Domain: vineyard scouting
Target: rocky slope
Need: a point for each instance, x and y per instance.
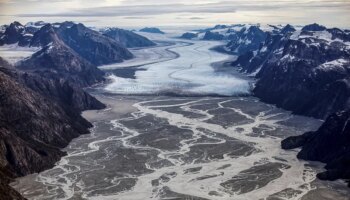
(127, 38)
(42, 98)
(306, 71)
(92, 45)
(329, 144)
(58, 60)
(38, 116)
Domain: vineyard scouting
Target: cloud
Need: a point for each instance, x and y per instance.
(135, 17)
(211, 7)
(196, 18)
(191, 18)
(140, 10)
(332, 13)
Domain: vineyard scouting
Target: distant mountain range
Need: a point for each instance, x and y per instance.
(127, 38)
(302, 69)
(152, 30)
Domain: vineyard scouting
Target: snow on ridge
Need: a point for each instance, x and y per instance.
(288, 57)
(317, 35)
(37, 24)
(334, 64)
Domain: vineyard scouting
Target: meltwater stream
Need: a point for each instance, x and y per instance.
(166, 147)
(180, 148)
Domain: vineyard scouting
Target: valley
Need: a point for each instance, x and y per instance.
(177, 127)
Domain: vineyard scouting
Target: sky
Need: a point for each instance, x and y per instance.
(140, 13)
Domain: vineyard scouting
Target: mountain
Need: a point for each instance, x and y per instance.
(252, 61)
(44, 93)
(247, 39)
(127, 38)
(38, 116)
(329, 144)
(58, 60)
(305, 71)
(72, 52)
(242, 38)
(213, 36)
(16, 33)
(89, 44)
(92, 45)
(152, 30)
(189, 36)
(36, 25)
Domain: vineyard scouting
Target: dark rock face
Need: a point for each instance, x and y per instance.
(246, 40)
(306, 72)
(63, 91)
(297, 141)
(152, 30)
(188, 36)
(127, 38)
(213, 36)
(329, 144)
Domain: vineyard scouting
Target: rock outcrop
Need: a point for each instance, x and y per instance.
(329, 144)
(151, 30)
(189, 36)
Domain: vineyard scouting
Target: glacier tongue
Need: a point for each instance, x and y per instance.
(190, 73)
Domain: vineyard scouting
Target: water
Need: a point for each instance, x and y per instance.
(199, 148)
